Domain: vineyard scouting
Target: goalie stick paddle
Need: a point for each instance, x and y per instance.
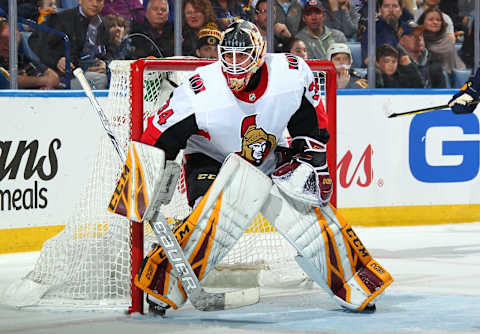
(200, 299)
(424, 110)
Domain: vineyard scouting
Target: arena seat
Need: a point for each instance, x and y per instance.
(460, 77)
(448, 80)
(356, 50)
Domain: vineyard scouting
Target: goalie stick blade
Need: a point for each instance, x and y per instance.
(205, 301)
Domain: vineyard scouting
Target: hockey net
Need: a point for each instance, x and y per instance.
(92, 262)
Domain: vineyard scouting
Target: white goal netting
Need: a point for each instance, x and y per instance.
(89, 263)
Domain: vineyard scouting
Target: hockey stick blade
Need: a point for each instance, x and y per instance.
(425, 110)
(200, 299)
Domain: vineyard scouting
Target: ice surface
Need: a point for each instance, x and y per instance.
(436, 290)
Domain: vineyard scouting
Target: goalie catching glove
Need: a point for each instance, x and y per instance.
(306, 175)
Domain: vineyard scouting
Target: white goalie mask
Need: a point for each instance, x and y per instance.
(241, 53)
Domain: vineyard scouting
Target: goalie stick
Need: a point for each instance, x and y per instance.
(424, 110)
(200, 299)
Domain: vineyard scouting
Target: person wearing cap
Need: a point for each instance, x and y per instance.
(412, 45)
(341, 57)
(391, 15)
(208, 39)
(316, 36)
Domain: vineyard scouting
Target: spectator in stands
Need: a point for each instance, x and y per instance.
(452, 9)
(25, 8)
(117, 26)
(4, 78)
(196, 14)
(465, 13)
(341, 16)
(341, 57)
(45, 8)
(467, 52)
(429, 64)
(297, 47)
(248, 7)
(68, 4)
(391, 15)
(395, 72)
(89, 42)
(281, 33)
(227, 11)
(438, 41)
(153, 37)
(410, 5)
(289, 12)
(316, 36)
(430, 4)
(31, 74)
(132, 10)
(208, 39)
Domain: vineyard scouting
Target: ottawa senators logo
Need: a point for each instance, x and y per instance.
(256, 143)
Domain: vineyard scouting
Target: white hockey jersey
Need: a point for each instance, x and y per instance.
(250, 124)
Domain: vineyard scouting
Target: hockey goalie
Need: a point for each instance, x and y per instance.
(229, 118)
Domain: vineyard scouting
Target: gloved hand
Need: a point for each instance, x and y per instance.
(461, 101)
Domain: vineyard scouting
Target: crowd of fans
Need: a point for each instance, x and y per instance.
(419, 43)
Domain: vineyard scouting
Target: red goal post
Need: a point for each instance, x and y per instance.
(327, 76)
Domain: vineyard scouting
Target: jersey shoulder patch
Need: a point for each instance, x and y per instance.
(292, 61)
(197, 84)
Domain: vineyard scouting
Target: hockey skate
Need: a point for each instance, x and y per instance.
(370, 308)
(156, 308)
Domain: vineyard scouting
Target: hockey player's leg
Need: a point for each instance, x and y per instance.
(211, 230)
(363, 279)
(328, 249)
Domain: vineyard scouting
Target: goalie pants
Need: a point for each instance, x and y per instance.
(200, 172)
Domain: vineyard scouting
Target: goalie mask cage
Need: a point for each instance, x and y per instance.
(92, 262)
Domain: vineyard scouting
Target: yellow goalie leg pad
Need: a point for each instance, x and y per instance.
(328, 249)
(357, 279)
(155, 277)
(210, 231)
